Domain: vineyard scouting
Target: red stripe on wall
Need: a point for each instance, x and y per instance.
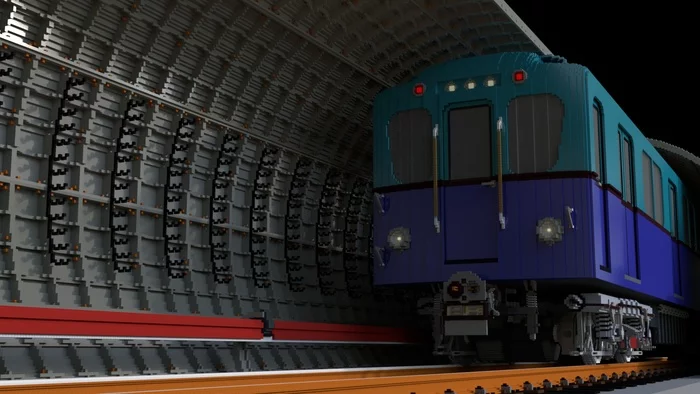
(54, 321)
(302, 331)
(21, 320)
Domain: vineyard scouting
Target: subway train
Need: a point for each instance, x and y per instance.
(538, 220)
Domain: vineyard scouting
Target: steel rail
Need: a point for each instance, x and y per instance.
(383, 380)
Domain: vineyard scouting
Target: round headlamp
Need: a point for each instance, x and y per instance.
(549, 231)
(399, 238)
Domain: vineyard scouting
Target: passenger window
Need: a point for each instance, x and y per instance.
(648, 190)
(535, 124)
(686, 221)
(410, 143)
(658, 196)
(674, 212)
(693, 228)
(690, 226)
(599, 141)
(627, 167)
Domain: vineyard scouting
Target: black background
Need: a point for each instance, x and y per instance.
(642, 52)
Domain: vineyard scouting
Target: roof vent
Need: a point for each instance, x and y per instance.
(552, 59)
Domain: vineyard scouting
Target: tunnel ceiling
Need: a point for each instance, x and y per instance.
(300, 75)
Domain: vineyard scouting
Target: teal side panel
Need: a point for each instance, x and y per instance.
(386, 105)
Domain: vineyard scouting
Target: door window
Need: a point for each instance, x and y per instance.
(470, 142)
(410, 144)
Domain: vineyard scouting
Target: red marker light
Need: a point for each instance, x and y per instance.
(455, 290)
(519, 76)
(419, 89)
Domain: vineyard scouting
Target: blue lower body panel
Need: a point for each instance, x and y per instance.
(610, 242)
(471, 238)
(413, 210)
(621, 234)
(471, 224)
(642, 256)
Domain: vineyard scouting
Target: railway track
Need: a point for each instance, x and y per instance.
(415, 380)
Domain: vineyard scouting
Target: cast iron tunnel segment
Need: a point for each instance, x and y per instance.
(218, 208)
(58, 171)
(327, 206)
(5, 71)
(365, 220)
(172, 195)
(293, 224)
(123, 155)
(352, 236)
(262, 187)
(370, 246)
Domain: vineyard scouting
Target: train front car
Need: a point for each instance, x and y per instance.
(486, 183)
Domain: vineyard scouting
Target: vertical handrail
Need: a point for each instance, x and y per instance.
(499, 137)
(436, 210)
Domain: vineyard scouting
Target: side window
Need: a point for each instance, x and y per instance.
(672, 207)
(535, 124)
(691, 230)
(599, 141)
(627, 167)
(686, 221)
(648, 189)
(410, 143)
(658, 196)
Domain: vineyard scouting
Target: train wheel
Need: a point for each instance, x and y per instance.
(587, 355)
(589, 359)
(623, 357)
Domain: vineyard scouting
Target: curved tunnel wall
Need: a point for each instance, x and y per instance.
(203, 158)
(164, 196)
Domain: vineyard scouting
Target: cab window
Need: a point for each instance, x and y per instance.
(410, 144)
(535, 124)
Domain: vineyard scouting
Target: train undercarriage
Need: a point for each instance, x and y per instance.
(477, 322)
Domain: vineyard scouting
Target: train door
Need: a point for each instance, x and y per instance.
(471, 201)
(600, 169)
(628, 197)
(675, 247)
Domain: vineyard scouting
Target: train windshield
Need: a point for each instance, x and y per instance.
(410, 143)
(531, 144)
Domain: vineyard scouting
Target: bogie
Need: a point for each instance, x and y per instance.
(478, 322)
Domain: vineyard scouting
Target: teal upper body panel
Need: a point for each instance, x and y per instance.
(566, 81)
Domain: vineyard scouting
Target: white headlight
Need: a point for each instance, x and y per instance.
(490, 82)
(470, 85)
(399, 238)
(549, 231)
(451, 87)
